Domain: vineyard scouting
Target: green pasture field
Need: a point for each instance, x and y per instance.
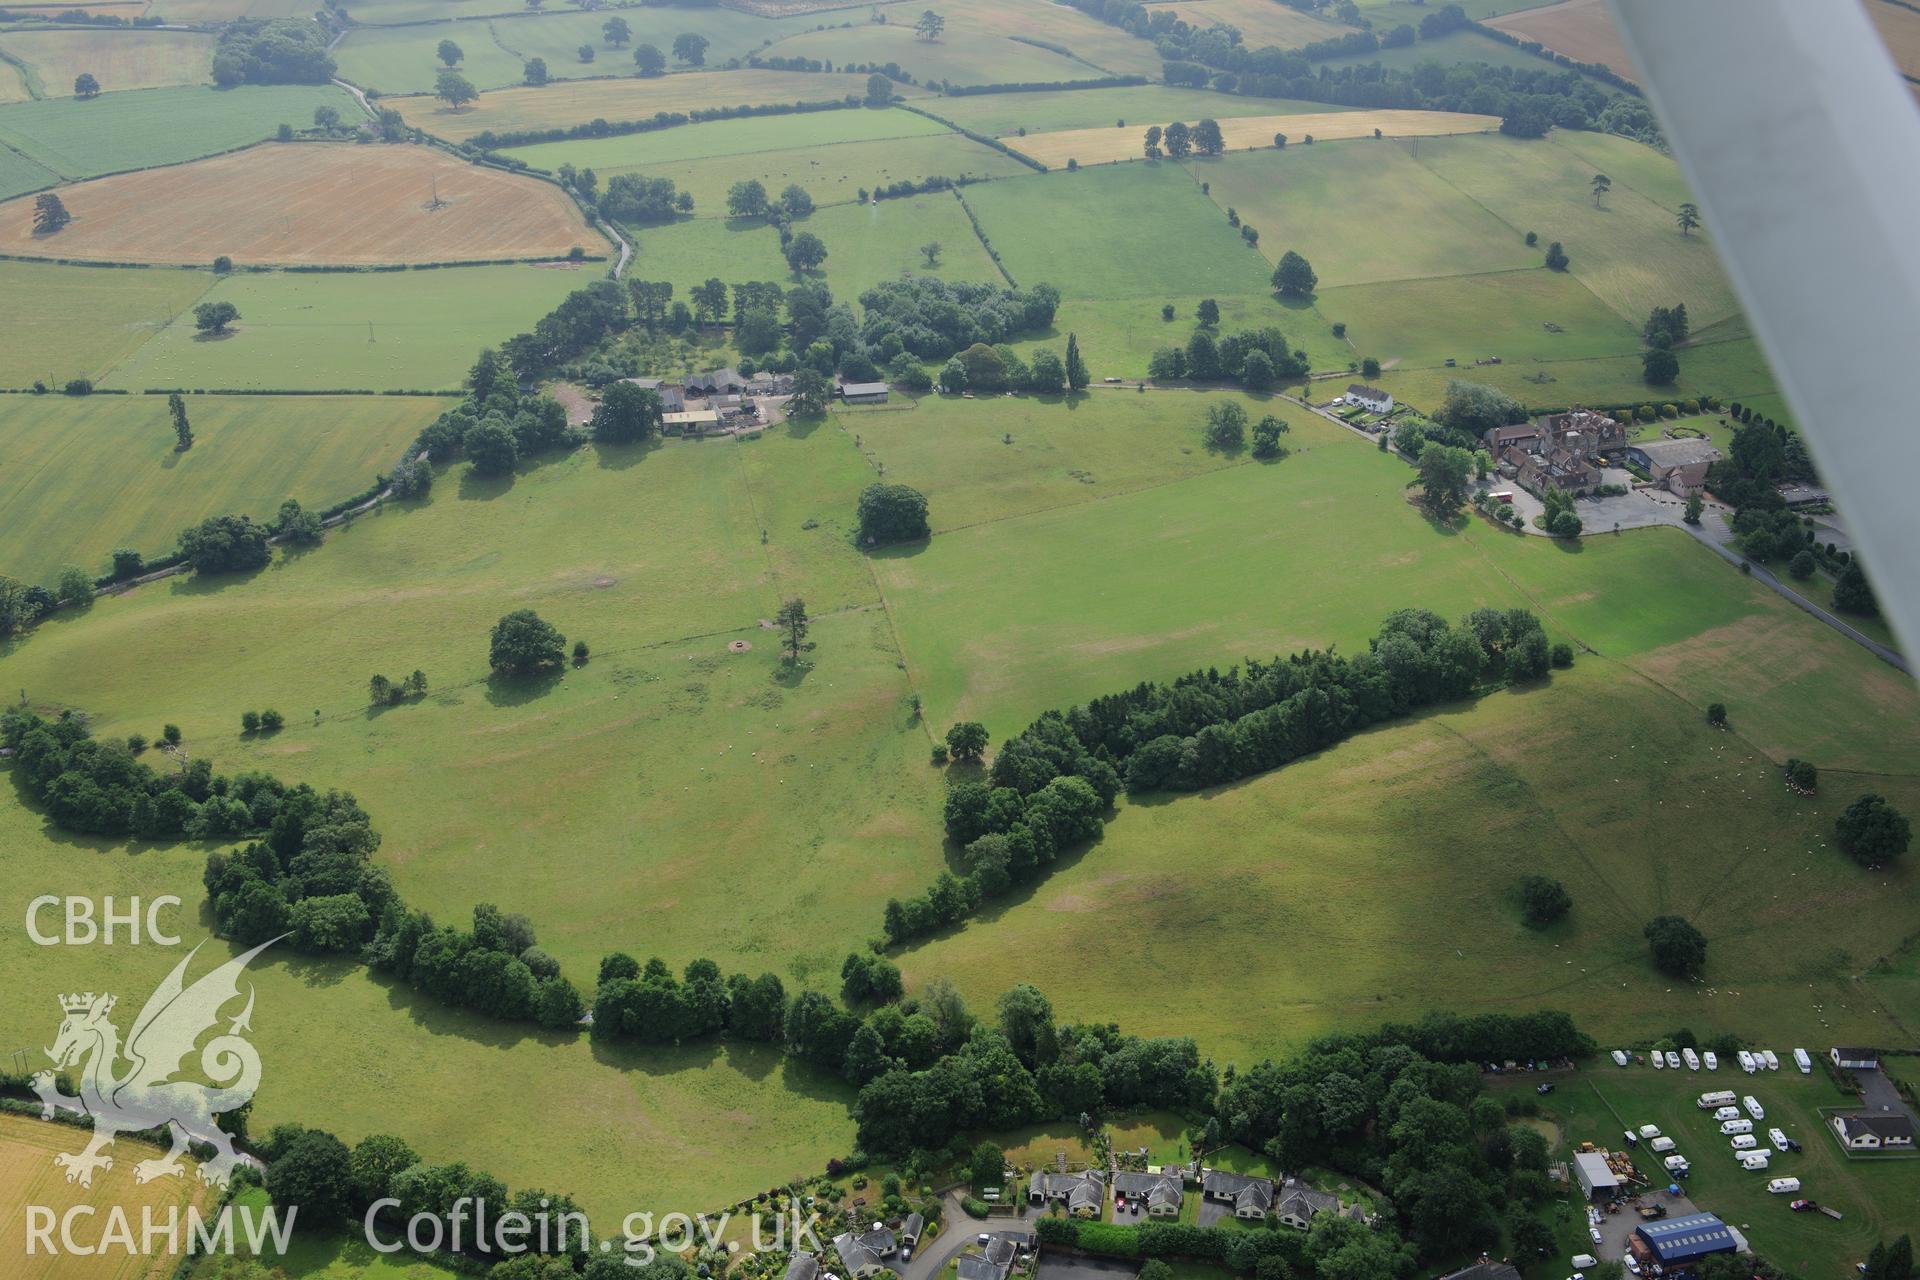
(118, 59)
(139, 129)
(1118, 338)
(1000, 114)
(1101, 46)
(84, 320)
(695, 249)
(1259, 23)
(408, 330)
(1627, 250)
(1120, 231)
(1630, 164)
(19, 175)
(621, 1128)
(725, 139)
(213, 11)
(566, 103)
(1734, 370)
(1598, 1104)
(1424, 323)
(404, 59)
(713, 768)
(963, 55)
(1363, 211)
(874, 242)
(85, 476)
(837, 174)
(1451, 49)
(319, 1254)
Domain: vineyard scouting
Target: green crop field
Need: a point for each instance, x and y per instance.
(405, 330)
(1453, 48)
(999, 114)
(964, 55)
(404, 59)
(19, 175)
(652, 152)
(695, 249)
(136, 130)
(873, 242)
(84, 320)
(1097, 45)
(85, 476)
(1119, 337)
(118, 59)
(1364, 211)
(1123, 231)
(572, 102)
(1598, 1104)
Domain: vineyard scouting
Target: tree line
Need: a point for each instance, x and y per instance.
(1051, 786)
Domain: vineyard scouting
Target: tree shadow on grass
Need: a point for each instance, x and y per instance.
(790, 675)
(515, 691)
(899, 550)
(1570, 546)
(194, 583)
(437, 1018)
(481, 488)
(618, 457)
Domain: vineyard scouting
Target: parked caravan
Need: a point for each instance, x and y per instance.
(1659, 1063)
(1754, 1109)
(1660, 1146)
(1692, 1059)
(1753, 1161)
(1727, 1113)
(1778, 1138)
(1773, 1063)
(1717, 1098)
(1619, 1057)
(1712, 1061)
(1802, 1061)
(1649, 1130)
(1745, 1142)
(1673, 1060)
(1737, 1126)
(1746, 1062)
(1783, 1186)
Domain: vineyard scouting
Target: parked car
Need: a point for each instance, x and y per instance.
(1633, 1264)
(1546, 1086)
(1801, 1206)
(1593, 1234)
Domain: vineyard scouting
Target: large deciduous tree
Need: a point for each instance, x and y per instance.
(626, 414)
(892, 513)
(1445, 473)
(1873, 832)
(1679, 950)
(523, 642)
(1294, 277)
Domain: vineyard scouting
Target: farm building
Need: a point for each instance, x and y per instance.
(1851, 1059)
(1300, 1204)
(1680, 1242)
(1596, 1177)
(864, 392)
(691, 422)
(862, 1253)
(768, 383)
(1804, 495)
(910, 1230)
(673, 398)
(720, 381)
(1250, 1197)
(1520, 435)
(1161, 1191)
(1660, 459)
(1874, 1131)
(1371, 398)
(1081, 1193)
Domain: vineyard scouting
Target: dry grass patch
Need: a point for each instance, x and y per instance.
(310, 204)
(1106, 145)
(1581, 29)
(567, 103)
(1261, 22)
(118, 59)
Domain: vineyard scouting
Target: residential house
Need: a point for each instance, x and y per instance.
(1585, 431)
(673, 397)
(862, 1253)
(1521, 435)
(864, 392)
(1553, 468)
(1874, 1131)
(720, 381)
(1680, 465)
(1250, 1197)
(1299, 1204)
(1848, 1059)
(910, 1230)
(1084, 1194)
(1000, 1255)
(973, 1267)
(1485, 1271)
(803, 1267)
(1160, 1191)
(1370, 398)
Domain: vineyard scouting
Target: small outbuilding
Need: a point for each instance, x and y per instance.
(1596, 1177)
(1848, 1058)
(864, 392)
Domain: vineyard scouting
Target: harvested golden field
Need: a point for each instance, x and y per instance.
(570, 102)
(1107, 145)
(1261, 22)
(1581, 29)
(28, 1176)
(1900, 30)
(118, 59)
(309, 203)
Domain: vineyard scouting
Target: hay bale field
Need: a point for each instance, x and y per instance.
(310, 203)
(562, 105)
(28, 1176)
(1581, 29)
(117, 58)
(1106, 145)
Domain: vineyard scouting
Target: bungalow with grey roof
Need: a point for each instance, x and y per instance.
(1871, 1131)
(1160, 1191)
(1299, 1204)
(1082, 1193)
(1250, 1197)
(861, 1253)
(803, 1267)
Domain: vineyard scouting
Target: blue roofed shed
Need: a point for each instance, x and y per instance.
(1679, 1241)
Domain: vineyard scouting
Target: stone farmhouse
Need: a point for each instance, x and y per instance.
(1562, 451)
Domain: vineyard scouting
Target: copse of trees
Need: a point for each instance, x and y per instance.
(1872, 832)
(1050, 786)
(1679, 950)
(1544, 901)
(272, 51)
(891, 513)
(934, 318)
(1257, 359)
(523, 643)
(225, 544)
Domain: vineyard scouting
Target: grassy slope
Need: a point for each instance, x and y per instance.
(312, 331)
(85, 320)
(964, 55)
(874, 242)
(1124, 232)
(694, 249)
(157, 126)
(1118, 338)
(1415, 323)
(86, 476)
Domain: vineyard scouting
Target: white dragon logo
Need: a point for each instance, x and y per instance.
(146, 1095)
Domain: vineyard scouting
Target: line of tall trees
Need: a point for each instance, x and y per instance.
(1051, 786)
